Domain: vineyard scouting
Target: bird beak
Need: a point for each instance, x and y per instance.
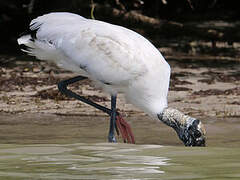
(193, 135)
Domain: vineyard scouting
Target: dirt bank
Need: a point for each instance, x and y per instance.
(199, 88)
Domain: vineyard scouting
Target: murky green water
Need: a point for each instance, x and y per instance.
(117, 161)
(72, 147)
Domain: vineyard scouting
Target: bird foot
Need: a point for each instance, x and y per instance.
(125, 130)
(112, 139)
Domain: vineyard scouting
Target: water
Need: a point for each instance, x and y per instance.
(38, 146)
(117, 161)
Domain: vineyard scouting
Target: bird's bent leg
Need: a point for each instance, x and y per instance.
(62, 86)
(125, 129)
(111, 136)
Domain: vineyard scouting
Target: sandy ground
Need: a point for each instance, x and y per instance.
(198, 88)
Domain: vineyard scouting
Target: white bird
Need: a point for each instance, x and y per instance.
(116, 59)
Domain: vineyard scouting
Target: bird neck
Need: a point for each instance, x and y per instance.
(174, 118)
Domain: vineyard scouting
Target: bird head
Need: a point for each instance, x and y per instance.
(190, 130)
(193, 134)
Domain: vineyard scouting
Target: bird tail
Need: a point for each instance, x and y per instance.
(44, 34)
(30, 44)
(25, 41)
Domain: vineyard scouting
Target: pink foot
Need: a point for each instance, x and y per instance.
(125, 130)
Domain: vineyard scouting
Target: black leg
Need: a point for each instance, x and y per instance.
(111, 136)
(62, 86)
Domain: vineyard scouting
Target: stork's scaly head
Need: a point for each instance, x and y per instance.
(193, 134)
(190, 130)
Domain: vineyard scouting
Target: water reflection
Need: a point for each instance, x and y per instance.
(117, 161)
(80, 161)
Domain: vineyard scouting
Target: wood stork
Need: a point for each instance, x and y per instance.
(117, 60)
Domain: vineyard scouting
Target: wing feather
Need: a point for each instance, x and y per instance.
(105, 52)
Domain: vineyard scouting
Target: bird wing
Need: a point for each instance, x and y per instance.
(109, 53)
(105, 58)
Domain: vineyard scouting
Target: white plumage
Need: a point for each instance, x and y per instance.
(115, 58)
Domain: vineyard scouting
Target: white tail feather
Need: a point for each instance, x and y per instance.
(24, 39)
(48, 28)
(41, 49)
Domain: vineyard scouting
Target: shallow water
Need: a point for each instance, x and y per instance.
(40, 146)
(117, 161)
